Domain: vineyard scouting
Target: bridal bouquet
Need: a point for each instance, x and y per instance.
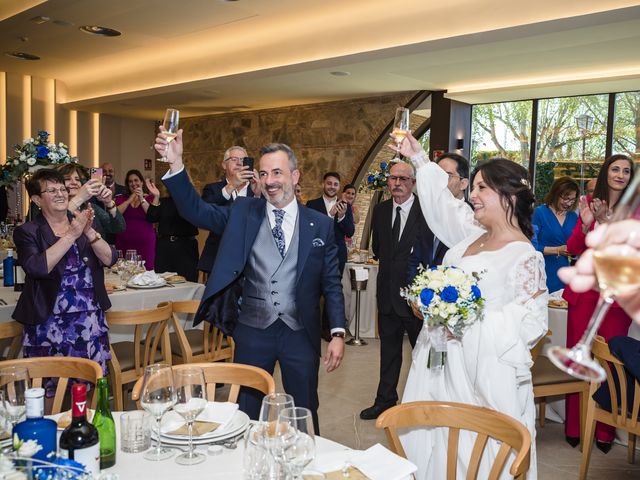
(446, 297)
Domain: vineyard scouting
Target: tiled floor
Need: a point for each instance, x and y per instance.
(346, 391)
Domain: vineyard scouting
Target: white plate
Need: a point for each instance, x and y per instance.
(132, 285)
(238, 424)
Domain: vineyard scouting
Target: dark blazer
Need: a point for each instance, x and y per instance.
(238, 225)
(36, 301)
(120, 190)
(212, 193)
(344, 228)
(423, 253)
(392, 273)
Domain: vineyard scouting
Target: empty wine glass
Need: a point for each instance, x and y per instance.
(191, 400)
(15, 382)
(400, 128)
(296, 445)
(272, 405)
(170, 124)
(617, 268)
(157, 397)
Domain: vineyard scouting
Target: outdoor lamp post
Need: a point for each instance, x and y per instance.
(584, 123)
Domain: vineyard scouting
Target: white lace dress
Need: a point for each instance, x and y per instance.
(490, 365)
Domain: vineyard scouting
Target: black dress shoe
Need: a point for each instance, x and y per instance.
(373, 412)
(604, 447)
(573, 441)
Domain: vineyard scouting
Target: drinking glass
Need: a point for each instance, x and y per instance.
(400, 128)
(157, 397)
(272, 405)
(131, 255)
(14, 381)
(135, 431)
(255, 460)
(191, 399)
(617, 268)
(170, 124)
(296, 445)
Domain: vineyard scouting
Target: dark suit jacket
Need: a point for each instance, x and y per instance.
(36, 302)
(423, 253)
(212, 193)
(344, 228)
(392, 273)
(238, 225)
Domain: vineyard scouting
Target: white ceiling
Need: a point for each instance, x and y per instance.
(213, 56)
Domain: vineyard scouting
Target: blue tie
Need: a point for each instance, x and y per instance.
(278, 233)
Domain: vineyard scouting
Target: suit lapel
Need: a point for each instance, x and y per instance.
(254, 220)
(306, 231)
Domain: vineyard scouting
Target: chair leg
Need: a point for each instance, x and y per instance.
(583, 416)
(631, 449)
(587, 440)
(542, 412)
(117, 392)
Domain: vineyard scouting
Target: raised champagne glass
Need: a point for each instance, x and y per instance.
(400, 128)
(617, 268)
(170, 123)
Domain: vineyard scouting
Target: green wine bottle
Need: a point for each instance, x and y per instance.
(103, 421)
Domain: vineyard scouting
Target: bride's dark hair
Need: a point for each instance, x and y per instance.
(511, 182)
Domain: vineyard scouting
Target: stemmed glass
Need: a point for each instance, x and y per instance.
(170, 124)
(272, 405)
(158, 396)
(191, 400)
(296, 443)
(15, 382)
(617, 269)
(400, 128)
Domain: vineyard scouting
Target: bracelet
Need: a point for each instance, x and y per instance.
(95, 239)
(111, 205)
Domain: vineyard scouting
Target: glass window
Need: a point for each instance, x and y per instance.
(626, 125)
(501, 129)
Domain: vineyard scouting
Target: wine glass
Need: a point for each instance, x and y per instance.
(272, 405)
(400, 128)
(617, 268)
(170, 124)
(15, 382)
(191, 400)
(296, 445)
(158, 396)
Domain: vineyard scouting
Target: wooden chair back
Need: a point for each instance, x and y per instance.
(63, 369)
(236, 374)
(457, 416)
(537, 348)
(12, 331)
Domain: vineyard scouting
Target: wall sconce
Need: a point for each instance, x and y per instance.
(460, 144)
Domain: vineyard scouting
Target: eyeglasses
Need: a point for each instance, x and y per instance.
(393, 178)
(233, 159)
(568, 199)
(454, 175)
(53, 191)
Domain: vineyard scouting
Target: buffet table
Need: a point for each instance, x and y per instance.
(368, 306)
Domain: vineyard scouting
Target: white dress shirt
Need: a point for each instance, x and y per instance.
(405, 208)
(235, 193)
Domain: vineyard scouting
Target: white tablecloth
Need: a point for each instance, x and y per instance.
(368, 306)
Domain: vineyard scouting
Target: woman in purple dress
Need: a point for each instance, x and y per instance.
(64, 299)
(139, 234)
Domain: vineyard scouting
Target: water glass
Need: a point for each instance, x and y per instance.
(158, 396)
(296, 445)
(255, 461)
(15, 382)
(135, 431)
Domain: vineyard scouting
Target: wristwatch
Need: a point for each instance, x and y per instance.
(337, 334)
(95, 239)
(111, 205)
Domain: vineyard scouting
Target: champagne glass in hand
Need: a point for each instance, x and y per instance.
(400, 128)
(158, 396)
(170, 123)
(617, 268)
(296, 444)
(15, 382)
(191, 400)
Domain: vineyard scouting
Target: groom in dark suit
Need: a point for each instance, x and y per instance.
(396, 226)
(268, 243)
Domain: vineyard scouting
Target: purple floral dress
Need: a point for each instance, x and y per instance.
(77, 326)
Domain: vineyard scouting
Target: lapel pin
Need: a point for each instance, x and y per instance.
(311, 224)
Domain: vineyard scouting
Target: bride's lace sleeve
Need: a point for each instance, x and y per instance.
(449, 218)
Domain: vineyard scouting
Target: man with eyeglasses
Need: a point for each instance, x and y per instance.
(457, 167)
(237, 181)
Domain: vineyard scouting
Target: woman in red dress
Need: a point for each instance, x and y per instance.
(613, 179)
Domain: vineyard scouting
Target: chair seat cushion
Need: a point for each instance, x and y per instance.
(195, 338)
(126, 356)
(544, 372)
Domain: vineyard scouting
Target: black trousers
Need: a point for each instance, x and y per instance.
(391, 329)
(180, 256)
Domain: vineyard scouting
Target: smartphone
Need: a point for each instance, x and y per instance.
(248, 161)
(96, 173)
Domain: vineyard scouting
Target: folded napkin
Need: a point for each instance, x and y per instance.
(199, 428)
(379, 463)
(214, 416)
(557, 295)
(352, 474)
(149, 278)
(166, 275)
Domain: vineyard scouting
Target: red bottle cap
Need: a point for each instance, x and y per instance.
(79, 400)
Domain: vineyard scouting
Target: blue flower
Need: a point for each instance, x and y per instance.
(42, 151)
(449, 294)
(371, 179)
(383, 165)
(434, 267)
(425, 296)
(475, 292)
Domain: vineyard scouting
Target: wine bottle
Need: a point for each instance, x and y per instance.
(7, 267)
(80, 441)
(35, 427)
(103, 421)
(18, 276)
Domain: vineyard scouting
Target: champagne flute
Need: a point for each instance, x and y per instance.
(295, 440)
(272, 405)
(400, 128)
(15, 382)
(191, 400)
(158, 396)
(617, 268)
(170, 124)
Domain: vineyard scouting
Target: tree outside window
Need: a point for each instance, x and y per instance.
(626, 126)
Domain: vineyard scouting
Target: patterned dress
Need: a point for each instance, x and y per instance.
(77, 326)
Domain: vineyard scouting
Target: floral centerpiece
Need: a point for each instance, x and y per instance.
(377, 179)
(448, 299)
(33, 154)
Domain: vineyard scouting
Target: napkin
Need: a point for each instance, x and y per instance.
(379, 463)
(149, 278)
(215, 414)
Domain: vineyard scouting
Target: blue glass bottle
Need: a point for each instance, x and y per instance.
(35, 427)
(7, 266)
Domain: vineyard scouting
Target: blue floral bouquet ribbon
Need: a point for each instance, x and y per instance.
(450, 300)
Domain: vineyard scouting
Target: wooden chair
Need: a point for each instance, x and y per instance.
(458, 416)
(150, 345)
(549, 380)
(235, 374)
(196, 345)
(62, 369)
(622, 415)
(11, 332)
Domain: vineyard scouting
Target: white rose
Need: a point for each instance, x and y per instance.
(435, 284)
(455, 275)
(62, 151)
(31, 161)
(23, 156)
(436, 275)
(51, 146)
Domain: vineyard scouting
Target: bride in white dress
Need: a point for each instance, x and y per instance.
(490, 365)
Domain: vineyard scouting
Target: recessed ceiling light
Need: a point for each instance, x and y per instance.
(63, 23)
(22, 55)
(101, 31)
(340, 74)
